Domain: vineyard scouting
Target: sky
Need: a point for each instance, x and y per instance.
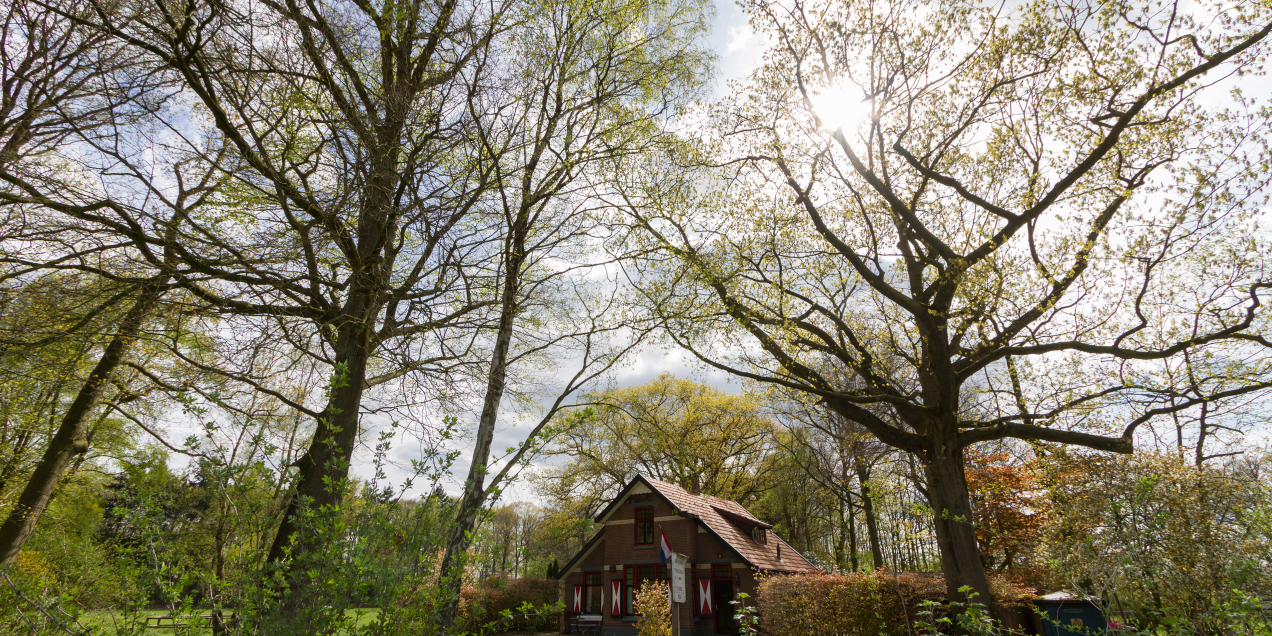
(739, 50)
(739, 47)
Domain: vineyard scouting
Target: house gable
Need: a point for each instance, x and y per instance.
(729, 522)
(725, 546)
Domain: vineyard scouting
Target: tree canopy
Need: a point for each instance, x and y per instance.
(671, 429)
(1036, 221)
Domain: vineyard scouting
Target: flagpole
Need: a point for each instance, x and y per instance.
(676, 582)
(675, 619)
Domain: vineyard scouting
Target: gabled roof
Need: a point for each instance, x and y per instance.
(722, 517)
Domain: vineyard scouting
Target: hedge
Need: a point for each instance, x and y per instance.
(497, 594)
(874, 604)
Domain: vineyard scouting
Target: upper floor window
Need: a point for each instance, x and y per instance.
(644, 526)
(759, 535)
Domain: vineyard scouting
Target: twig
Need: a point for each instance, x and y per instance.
(84, 631)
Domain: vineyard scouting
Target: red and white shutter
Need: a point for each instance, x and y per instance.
(578, 599)
(616, 598)
(704, 596)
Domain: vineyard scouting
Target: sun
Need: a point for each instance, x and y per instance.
(842, 105)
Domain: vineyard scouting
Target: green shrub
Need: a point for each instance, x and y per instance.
(1160, 538)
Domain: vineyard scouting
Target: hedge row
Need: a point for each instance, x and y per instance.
(497, 594)
(874, 604)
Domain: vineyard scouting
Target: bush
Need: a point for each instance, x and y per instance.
(653, 603)
(868, 604)
(873, 604)
(1159, 538)
(499, 594)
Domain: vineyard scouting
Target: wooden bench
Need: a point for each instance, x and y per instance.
(216, 621)
(586, 624)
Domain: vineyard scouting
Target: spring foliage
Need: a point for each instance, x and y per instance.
(1160, 537)
(1009, 508)
(653, 602)
(670, 429)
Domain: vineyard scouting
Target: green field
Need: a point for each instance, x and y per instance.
(107, 622)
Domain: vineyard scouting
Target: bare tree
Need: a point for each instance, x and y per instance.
(841, 456)
(61, 81)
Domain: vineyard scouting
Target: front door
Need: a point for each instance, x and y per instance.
(723, 602)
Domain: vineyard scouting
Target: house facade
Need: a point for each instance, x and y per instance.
(725, 544)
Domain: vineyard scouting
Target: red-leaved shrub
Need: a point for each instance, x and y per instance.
(873, 604)
(497, 594)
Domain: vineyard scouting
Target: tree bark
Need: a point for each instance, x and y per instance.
(852, 538)
(69, 440)
(1202, 430)
(324, 467)
(323, 470)
(872, 523)
(952, 516)
(475, 486)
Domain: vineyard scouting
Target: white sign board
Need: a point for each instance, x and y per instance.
(678, 579)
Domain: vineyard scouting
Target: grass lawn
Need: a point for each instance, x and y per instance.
(103, 620)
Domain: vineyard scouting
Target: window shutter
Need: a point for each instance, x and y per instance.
(578, 599)
(616, 599)
(704, 596)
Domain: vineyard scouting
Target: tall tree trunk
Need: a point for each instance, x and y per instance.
(323, 470)
(1202, 430)
(955, 534)
(324, 467)
(475, 486)
(852, 536)
(872, 523)
(69, 440)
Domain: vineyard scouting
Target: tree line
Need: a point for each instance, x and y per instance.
(1165, 536)
(1162, 537)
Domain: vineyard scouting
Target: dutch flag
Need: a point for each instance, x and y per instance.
(664, 548)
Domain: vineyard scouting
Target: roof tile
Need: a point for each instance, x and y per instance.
(763, 556)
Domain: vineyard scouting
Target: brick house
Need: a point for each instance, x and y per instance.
(725, 545)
